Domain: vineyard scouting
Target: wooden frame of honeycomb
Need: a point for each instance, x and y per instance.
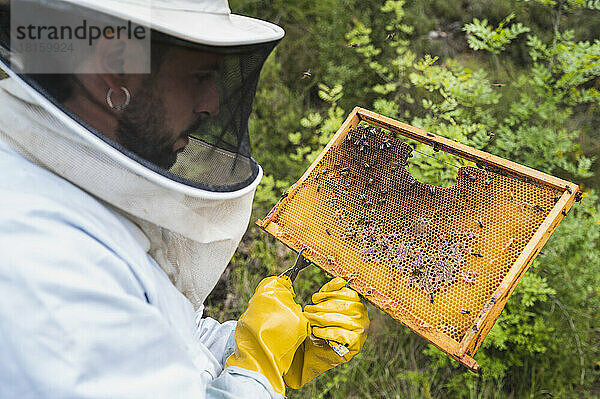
(443, 261)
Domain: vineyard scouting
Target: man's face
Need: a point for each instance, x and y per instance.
(169, 104)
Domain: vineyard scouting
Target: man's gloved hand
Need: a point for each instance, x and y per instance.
(270, 331)
(337, 316)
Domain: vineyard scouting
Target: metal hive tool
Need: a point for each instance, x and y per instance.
(443, 261)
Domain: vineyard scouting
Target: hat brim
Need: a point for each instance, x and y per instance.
(212, 29)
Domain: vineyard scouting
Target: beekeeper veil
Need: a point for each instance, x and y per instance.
(145, 105)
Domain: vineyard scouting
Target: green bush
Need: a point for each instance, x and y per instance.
(517, 79)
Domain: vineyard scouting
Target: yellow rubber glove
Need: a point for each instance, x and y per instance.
(337, 316)
(270, 331)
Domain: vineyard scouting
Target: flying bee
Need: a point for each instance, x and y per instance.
(569, 189)
(490, 134)
(390, 36)
(370, 181)
(464, 311)
(477, 254)
(318, 187)
(480, 223)
(432, 190)
(538, 208)
(353, 45)
(498, 85)
(487, 182)
(328, 232)
(306, 74)
(472, 177)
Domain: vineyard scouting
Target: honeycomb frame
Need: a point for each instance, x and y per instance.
(475, 323)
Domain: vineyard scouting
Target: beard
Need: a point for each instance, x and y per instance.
(142, 129)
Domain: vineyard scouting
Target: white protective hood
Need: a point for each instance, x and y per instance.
(193, 233)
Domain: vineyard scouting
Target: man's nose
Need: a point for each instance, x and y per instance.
(208, 98)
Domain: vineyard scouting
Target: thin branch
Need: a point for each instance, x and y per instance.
(556, 26)
(577, 340)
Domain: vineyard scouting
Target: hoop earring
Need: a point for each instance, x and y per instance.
(118, 107)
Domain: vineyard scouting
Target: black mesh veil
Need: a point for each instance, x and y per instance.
(187, 118)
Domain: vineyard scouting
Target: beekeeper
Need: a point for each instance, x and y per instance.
(126, 183)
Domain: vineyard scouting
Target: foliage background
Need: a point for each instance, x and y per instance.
(437, 65)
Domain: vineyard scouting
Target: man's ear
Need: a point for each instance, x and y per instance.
(109, 58)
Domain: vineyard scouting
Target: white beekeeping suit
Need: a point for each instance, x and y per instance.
(110, 241)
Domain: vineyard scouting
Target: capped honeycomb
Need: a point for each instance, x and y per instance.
(429, 256)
